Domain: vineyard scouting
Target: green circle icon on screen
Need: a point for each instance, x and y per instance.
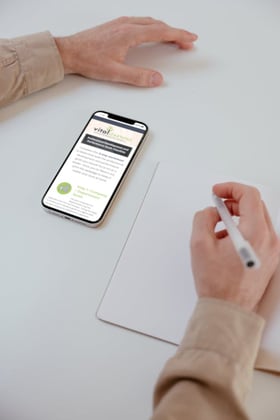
(64, 188)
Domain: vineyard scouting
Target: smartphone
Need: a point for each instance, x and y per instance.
(89, 178)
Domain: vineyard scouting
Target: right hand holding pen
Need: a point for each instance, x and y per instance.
(216, 266)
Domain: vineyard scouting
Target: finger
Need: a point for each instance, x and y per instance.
(160, 32)
(234, 210)
(247, 198)
(137, 76)
(231, 190)
(233, 207)
(221, 234)
(204, 224)
(187, 46)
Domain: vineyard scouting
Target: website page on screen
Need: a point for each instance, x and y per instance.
(85, 183)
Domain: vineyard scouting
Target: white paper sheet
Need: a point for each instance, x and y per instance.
(152, 290)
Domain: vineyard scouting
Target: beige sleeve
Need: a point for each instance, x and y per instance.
(28, 64)
(211, 371)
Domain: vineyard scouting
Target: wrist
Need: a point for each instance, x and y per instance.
(65, 49)
(238, 299)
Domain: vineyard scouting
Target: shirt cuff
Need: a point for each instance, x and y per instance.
(225, 329)
(39, 59)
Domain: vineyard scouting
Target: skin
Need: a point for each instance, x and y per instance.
(217, 269)
(100, 53)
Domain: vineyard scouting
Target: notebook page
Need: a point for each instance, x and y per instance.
(152, 290)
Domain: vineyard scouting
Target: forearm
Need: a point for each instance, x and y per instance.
(211, 372)
(28, 64)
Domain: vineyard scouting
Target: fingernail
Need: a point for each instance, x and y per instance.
(194, 36)
(156, 79)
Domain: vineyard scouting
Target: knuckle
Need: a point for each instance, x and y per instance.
(197, 215)
(161, 23)
(123, 19)
(198, 244)
(255, 193)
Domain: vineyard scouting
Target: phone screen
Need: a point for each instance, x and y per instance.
(87, 181)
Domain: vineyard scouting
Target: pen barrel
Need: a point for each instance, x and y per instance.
(243, 247)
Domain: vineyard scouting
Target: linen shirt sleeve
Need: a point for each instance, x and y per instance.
(211, 372)
(28, 64)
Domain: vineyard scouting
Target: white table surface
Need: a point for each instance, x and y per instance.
(219, 107)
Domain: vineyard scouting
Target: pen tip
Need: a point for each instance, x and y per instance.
(250, 263)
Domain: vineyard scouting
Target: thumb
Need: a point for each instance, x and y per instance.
(137, 76)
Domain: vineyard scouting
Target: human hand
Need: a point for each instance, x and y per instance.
(217, 269)
(100, 52)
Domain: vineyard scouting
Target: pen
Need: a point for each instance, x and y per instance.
(243, 247)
